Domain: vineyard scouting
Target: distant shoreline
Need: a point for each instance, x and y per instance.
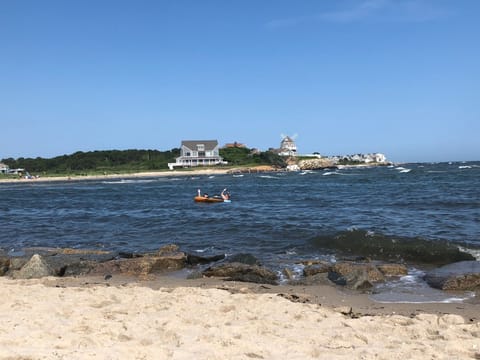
(163, 173)
(149, 174)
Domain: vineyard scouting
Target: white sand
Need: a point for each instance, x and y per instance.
(135, 322)
(150, 174)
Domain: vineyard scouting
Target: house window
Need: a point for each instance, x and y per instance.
(187, 153)
(200, 147)
(201, 154)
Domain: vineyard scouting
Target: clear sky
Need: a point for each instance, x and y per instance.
(401, 77)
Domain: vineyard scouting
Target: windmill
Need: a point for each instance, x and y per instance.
(287, 146)
(293, 137)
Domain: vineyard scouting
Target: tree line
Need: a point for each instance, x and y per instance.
(130, 160)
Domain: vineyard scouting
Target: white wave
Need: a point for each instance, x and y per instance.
(210, 248)
(267, 177)
(296, 272)
(240, 175)
(401, 169)
(328, 173)
(417, 300)
(474, 252)
(464, 167)
(412, 289)
(211, 176)
(128, 181)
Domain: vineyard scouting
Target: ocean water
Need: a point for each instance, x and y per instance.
(279, 217)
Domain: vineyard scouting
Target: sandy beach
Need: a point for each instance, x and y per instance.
(149, 174)
(82, 318)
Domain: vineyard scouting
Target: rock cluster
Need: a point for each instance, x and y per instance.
(356, 274)
(462, 275)
(315, 164)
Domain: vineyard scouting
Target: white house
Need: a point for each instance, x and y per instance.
(3, 168)
(197, 153)
(288, 147)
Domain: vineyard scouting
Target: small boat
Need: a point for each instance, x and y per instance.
(209, 199)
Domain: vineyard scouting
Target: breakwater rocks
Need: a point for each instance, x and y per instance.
(315, 164)
(252, 170)
(390, 248)
(359, 274)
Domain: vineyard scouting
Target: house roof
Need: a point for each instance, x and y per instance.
(192, 144)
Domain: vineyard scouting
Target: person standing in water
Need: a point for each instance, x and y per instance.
(225, 194)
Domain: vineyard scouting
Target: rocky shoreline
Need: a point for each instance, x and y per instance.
(359, 274)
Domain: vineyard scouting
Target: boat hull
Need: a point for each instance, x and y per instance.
(207, 199)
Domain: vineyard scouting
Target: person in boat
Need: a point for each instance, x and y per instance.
(200, 194)
(225, 194)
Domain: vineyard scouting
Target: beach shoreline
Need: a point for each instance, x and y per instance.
(167, 317)
(327, 295)
(147, 174)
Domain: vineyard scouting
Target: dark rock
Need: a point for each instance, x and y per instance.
(247, 259)
(4, 265)
(142, 265)
(35, 268)
(463, 275)
(202, 260)
(355, 276)
(242, 272)
(319, 268)
(128, 255)
(390, 248)
(77, 268)
(76, 262)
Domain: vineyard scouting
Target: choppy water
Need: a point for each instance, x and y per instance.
(278, 217)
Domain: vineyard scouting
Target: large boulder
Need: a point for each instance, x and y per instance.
(356, 276)
(392, 248)
(193, 259)
(73, 262)
(242, 272)
(318, 268)
(142, 265)
(463, 275)
(35, 268)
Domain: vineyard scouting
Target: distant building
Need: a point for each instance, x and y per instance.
(235, 145)
(287, 147)
(197, 153)
(4, 168)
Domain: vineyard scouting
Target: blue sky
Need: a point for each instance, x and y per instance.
(400, 77)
